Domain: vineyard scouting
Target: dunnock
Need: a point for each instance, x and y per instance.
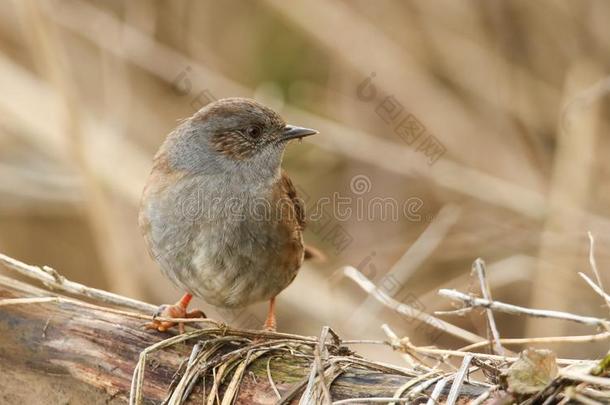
(219, 215)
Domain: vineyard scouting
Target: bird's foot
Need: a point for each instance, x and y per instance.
(270, 324)
(178, 311)
(267, 328)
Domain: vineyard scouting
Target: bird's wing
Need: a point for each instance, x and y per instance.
(288, 190)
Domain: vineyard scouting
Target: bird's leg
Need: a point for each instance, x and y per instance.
(177, 310)
(270, 323)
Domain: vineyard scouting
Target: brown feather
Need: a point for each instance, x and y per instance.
(289, 191)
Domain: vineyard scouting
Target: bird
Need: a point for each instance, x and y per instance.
(219, 215)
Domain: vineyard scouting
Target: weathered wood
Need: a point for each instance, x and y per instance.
(61, 352)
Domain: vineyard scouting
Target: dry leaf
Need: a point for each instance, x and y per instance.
(533, 371)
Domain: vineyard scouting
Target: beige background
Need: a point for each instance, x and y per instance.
(515, 91)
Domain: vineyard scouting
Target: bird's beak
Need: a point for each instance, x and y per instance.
(292, 132)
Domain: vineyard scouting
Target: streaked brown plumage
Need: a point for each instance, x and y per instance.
(218, 213)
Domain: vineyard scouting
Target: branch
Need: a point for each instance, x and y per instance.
(55, 281)
(479, 268)
(471, 301)
(66, 350)
(545, 340)
(599, 287)
(458, 381)
(408, 310)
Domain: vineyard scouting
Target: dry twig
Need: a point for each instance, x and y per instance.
(53, 280)
(517, 310)
(479, 267)
(459, 380)
(407, 310)
(550, 339)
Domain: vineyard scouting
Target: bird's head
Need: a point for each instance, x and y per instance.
(233, 136)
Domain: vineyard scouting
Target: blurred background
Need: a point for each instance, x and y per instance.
(485, 123)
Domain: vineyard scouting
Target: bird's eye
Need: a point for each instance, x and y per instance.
(253, 132)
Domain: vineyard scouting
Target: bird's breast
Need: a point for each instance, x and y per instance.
(231, 247)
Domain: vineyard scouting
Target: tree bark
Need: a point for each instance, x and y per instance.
(62, 352)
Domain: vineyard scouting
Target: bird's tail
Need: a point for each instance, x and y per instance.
(312, 253)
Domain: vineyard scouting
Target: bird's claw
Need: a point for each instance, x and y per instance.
(159, 311)
(171, 311)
